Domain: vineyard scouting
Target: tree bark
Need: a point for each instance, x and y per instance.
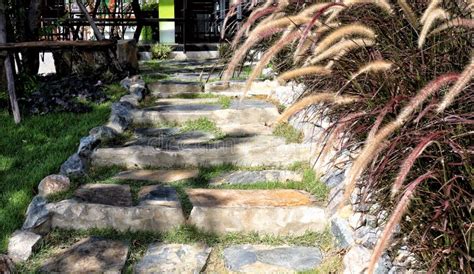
(138, 16)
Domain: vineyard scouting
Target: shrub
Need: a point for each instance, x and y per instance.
(410, 66)
(161, 51)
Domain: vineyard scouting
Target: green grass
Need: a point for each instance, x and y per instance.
(57, 240)
(288, 132)
(115, 91)
(202, 124)
(32, 150)
(151, 78)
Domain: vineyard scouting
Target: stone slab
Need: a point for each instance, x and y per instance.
(90, 255)
(162, 176)
(166, 89)
(173, 258)
(236, 88)
(248, 151)
(22, 244)
(158, 195)
(106, 194)
(175, 142)
(249, 177)
(269, 259)
(277, 212)
(70, 214)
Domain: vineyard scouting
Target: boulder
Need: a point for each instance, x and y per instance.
(357, 259)
(53, 184)
(105, 194)
(342, 232)
(103, 133)
(22, 244)
(75, 166)
(37, 213)
(86, 145)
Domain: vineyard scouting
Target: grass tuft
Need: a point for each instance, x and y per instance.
(288, 132)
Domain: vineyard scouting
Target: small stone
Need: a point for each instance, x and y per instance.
(356, 220)
(36, 214)
(53, 184)
(336, 196)
(75, 166)
(162, 176)
(103, 133)
(357, 259)
(90, 255)
(105, 194)
(342, 232)
(126, 82)
(334, 179)
(173, 258)
(6, 265)
(158, 195)
(260, 258)
(120, 116)
(249, 177)
(22, 244)
(130, 99)
(138, 90)
(367, 236)
(86, 145)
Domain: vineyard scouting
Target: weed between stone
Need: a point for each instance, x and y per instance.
(288, 132)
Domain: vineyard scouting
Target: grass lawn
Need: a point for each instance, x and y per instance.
(36, 148)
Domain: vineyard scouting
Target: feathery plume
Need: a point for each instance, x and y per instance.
(342, 32)
(313, 38)
(342, 48)
(372, 145)
(254, 16)
(286, 39)
(311, 70)
(410, 161)
(326, 97)
(375, 66)
(431, 7)
(457, 22)
(464, 79)
(409, 13)
(428, 23)
(383, 4)
(335, 11)
(395, 218)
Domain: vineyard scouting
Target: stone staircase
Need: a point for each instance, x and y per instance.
(161, 147)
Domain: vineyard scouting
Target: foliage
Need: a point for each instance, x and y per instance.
(288, 132)
(405, 70)
(161, 51)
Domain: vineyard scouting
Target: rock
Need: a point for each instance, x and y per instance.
(162, 176)
(334, 179)
(103, 133)
(22, 244)
(86, 145)
(121, 116)
(249, 177)
(336, 195)
(90, 255)
(165, 89)
(145, 55)
(133, 100)
(342, 232)
(236, 88)
(158, 195)
(126, 83)
(6, 265)
(75, 166)
(356, 220)
(245, 151)
(269, 259)
(173, 258)
(357, 259)
(278, 212)
(105, 194)
(36, 214)
(367, 236)
(53, 184)
(70, 214)
(127, 54)
(138, 90)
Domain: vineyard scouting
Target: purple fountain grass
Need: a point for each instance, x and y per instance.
(408, 163)
(394, 219)
(409, 13)
(343, 32)
(463, 81)
(342, 48)
(383, 4)
(428, 23)
(303, 71)
(457, 22)
(431, 7)
(372, 145)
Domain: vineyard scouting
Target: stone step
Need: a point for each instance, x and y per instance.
(264, 150)
(237, 87)
(165, 89)
(239, 112)
(271, 259)
(277, 212)
(160, 176)
(159, 209)
(242, 177)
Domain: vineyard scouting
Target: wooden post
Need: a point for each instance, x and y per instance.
(8, 66)
(89, 19)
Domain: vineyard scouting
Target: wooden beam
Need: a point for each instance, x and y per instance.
(56, 45)
(97, 33)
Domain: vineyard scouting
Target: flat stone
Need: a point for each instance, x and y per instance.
(6, 265)
(90, 255)
(173, 258)
(162, 176)
(106, 194)
(249, 177)
(247, 151)
(22, 244)
(268, 259)
(175, 142)
(36, 214)
(166, 89)
(357, 259)
(75, 166)
(158, 195)
(342, 232)
(237, 87)
(278, 212)
(70, 214)
(53, 184)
